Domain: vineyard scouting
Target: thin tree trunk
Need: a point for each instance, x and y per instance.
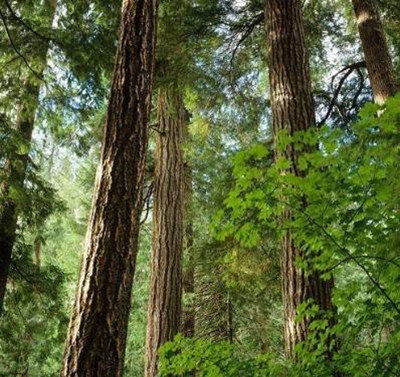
(377, 57)
(230, 319)
(15, 170)
(188, 315)
(293, 110)
(97, 333)
(212, 304)
(164, 310)
(37, 248)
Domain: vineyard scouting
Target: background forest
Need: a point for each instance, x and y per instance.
(269, 239)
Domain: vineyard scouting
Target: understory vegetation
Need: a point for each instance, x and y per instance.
(225, 201)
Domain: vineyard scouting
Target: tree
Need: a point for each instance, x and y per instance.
(293, 110)
(376, 50)
(15, 169)
(188, 282)
(172, 233)
(164, 310)
(98, 327)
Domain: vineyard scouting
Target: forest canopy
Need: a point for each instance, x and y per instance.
(200, 188)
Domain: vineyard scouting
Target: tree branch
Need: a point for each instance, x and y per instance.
(17, 51)
(248, 30)
(349, 255)
(348, 71)
(22, 22)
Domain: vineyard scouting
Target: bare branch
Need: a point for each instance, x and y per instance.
(348, 71)
(248, 30)
(146, 202)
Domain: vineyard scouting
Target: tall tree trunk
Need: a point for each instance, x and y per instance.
(15, 170)
(96, 339)
(377, 57)
(293, 110)
(188, 315)
(164, 310)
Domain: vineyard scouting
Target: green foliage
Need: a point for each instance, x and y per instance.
(135, 349)
(351, 187)
(34, 323)
(350, 183)
(184, 356)
(35, 199)
(34, 293)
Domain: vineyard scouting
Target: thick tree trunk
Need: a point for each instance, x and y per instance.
(164, 310)
(188, 315)
(377, 57)
(15, 170)
(293, 110)
(96, 339)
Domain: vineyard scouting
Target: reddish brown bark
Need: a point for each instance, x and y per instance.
(97, 333)
(164, 310)
(377, 56)
(293, 110)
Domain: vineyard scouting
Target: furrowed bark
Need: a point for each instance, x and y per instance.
(293, 110)
(377, 56)
(97, 333)
(164, 310)
(15, 170)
